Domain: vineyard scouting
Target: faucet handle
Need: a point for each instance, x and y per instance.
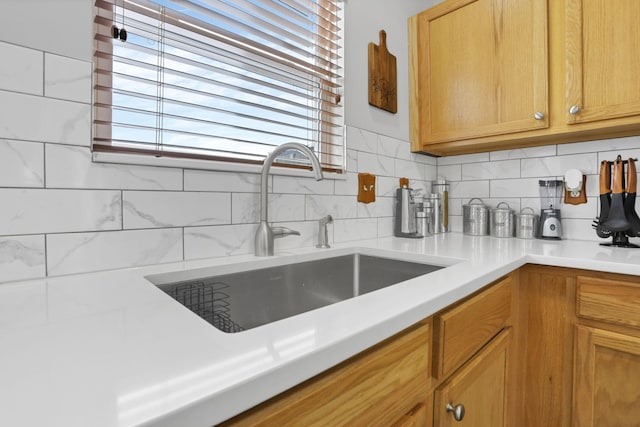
(283, 231)
(323, 234)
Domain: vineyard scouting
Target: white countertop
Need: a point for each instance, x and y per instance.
(110, 349)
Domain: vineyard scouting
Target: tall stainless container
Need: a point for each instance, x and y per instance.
(502, 222)
(475, 218)
(406, 209)
(441, 188)
(526, 224)
(436, 202)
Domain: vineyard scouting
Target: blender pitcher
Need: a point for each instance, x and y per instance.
(550, 226)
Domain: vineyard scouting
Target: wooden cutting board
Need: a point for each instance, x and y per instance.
(383, 84)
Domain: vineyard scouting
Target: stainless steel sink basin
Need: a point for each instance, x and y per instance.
(247, 299)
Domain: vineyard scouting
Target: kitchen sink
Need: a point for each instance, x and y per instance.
(246, 299)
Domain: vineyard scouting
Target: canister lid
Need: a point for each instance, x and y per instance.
(550, 182)
(499, 209)
(531, 214)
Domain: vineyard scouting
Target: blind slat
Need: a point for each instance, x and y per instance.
(219, 79)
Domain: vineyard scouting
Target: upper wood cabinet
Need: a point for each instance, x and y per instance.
(495, 74)
(603, 59)
(482, 68)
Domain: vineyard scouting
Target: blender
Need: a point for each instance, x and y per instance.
(551, 192)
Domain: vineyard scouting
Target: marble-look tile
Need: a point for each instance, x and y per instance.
(34, 118)
(579, 229)
(385, 226)
(352, 161)
(71, 167)
(67, 78)
(201, 180)
(382, 207)
(425, 159)
(523, 153)
(557, 166)
(455, 206)
(345, 230)
(523, 187)
(336, 206)
(463, 158)
(362, 140)
(22, 257)
(297, 185)
(613, 144)
(219, 240)
(245, 207)
(491, 170)
(21, 69)
(412, 170)
(349, 186)
(35, 211)
(21, 164)
(455, 224)
(587, 210)
(430, 172)
(162, 209)
(386, 186)
(392, 147)
(84, 252)
(450, 172)
(469, 189)
(376, 165)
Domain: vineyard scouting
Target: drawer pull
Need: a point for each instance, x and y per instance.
(458, 411)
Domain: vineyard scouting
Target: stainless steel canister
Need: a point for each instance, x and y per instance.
(436, 203)
(502, 222)
(475, 218)
(526, 224)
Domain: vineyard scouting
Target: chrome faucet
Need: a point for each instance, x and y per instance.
(323, 234)
(265, 233)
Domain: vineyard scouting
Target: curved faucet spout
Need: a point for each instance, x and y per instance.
(264, 234)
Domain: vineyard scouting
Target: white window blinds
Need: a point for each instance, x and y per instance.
(219, 79)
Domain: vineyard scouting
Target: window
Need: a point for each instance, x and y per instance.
(219, 79)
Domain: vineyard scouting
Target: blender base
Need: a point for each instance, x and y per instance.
(620, 240)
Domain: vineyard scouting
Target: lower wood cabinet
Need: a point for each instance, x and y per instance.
(476, 394)
(606, 379)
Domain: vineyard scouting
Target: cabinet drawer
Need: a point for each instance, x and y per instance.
(465, 329)
(608, 300)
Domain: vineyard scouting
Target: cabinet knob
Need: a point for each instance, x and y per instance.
(458, 411)
(539, 115)
(574, 110)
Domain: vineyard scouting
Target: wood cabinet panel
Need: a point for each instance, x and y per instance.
(482, 69)
(602, 59)
(377, 387)
(608, 300)
(461, 331)
(606, 386)
(417, 417)
(480, 386)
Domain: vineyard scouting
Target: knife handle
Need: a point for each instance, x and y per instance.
(605, 177)
(618, 176)
(632, 178)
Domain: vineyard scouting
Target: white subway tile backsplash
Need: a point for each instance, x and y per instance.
(491, 170)
(297, 185)
(22, 257)
(450, 172)
(385, 226)
(411, 170)
(71, 167)
(158, 209)
(345, 230)
(37, 211)
(21, 164)
(613, 144)
(201, 180)
(219, 240)
(469, 189)
(362, 140)
(20, 69)
(579, 229)
(349, 186)
(34, 118)
(281, 207)
(81, 252)
(352, 161)
(463, 158)
(67, 78)
(376, 165)
(382, 207)
(308, 236)
(336, 206)
(523, 153)
(523, 187)
(587, 210)
(624, 154)
(391, 147)
(545, 167)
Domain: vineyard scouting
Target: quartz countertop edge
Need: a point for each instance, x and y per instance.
(111, 349)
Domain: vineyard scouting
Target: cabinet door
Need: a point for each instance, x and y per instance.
(606, 379)
(417, 417)
(482, 69)
(603, 59)
(480, 387)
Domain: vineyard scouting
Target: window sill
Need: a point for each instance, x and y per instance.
(140, 160)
